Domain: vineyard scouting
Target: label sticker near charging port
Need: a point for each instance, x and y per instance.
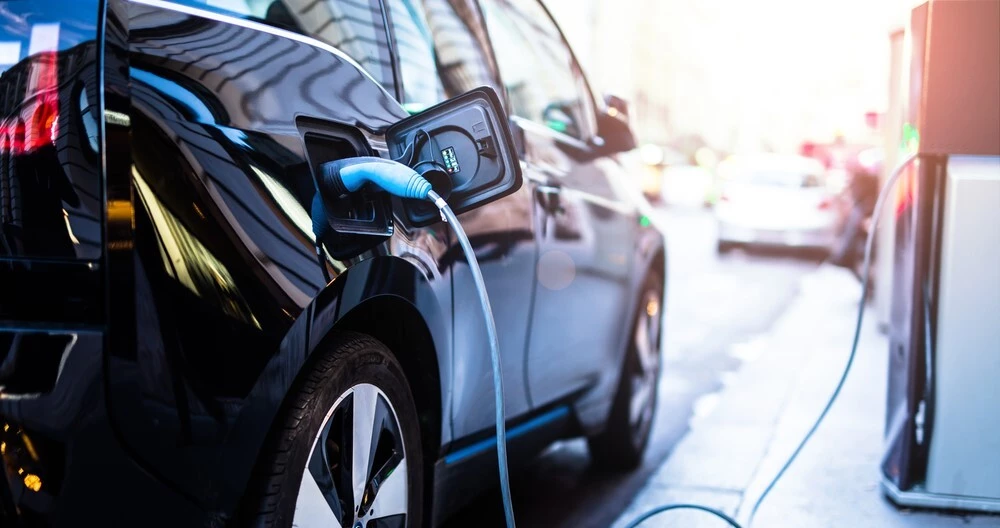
(450, 160)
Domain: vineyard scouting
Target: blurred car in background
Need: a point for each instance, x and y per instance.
(656, 162)
(775, 200)
(677, 175)
(686, 185)
(651, 181)
(856, 205)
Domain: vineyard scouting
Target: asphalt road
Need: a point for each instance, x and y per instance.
(715, 306)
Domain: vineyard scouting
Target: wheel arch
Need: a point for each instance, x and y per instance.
(659, 263)
(651, 258)
(412, 345)
(389, 299)
(397, 306)
(393, 301)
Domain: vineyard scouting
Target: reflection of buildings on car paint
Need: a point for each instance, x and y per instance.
(42, 37)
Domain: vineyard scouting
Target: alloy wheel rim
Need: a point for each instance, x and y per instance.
(645, 371)
(356, 474)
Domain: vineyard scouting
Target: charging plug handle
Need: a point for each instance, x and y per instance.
(344, 176)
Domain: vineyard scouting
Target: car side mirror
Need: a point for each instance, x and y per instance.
(464, 147)
(616, 106)
(614, 134)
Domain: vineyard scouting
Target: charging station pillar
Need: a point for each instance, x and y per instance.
(943, 405)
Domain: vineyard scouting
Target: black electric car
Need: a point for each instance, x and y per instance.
(185, 340)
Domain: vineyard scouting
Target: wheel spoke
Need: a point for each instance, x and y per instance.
(318, 482)
(654, 333)
(362, 441)
(313, 507)
(642, 390)
(389, 486)
(644, 346)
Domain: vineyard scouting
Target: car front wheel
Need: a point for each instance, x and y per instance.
(345, 451)
(621, 445)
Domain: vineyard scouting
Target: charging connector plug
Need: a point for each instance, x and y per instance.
(347, 175)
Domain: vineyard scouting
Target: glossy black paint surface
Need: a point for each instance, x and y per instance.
(204, 298)
(51, 193)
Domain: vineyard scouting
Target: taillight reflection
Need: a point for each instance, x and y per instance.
(36, 125)
(43, 124)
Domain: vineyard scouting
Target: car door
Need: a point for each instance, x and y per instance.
(585, 230)
(442, 53)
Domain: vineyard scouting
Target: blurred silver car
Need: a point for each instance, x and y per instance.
(774, 200)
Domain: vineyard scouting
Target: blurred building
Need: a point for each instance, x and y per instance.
(741, 76)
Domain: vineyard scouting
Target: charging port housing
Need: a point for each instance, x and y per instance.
(466, 138)
(360, 220)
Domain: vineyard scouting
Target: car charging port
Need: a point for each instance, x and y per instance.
(358, 221)
(440, 181)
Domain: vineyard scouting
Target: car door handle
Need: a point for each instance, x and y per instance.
(548, 197)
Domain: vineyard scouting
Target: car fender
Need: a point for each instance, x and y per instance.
(364, 282)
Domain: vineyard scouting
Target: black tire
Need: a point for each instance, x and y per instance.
(621, 445)
(348, 362)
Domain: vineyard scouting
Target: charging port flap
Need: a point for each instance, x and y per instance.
(466, 142)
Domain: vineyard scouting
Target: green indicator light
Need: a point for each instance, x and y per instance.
(911, 138)
(450, 160)
(644, 221)
(558, 126)
(414, 108)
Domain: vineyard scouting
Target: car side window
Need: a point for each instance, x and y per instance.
(441, 48)
(543, 82)
(355, 27)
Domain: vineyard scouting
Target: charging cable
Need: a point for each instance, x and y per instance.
(866, 274)
(865, 280)
(350, 174)
(498, 394)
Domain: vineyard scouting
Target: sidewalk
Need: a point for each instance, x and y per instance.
(743, 434)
